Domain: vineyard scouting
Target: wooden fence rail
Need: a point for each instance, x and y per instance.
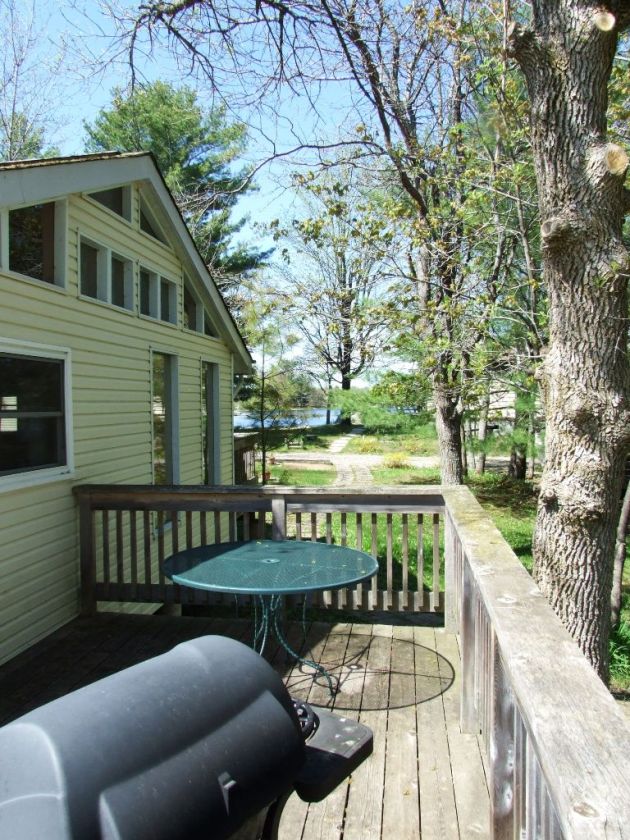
(558, 747)
(127, 532)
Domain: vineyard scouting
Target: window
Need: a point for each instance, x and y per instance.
(210, 425)
(106, 276)
(164, 419)
(117, 199)
(32, 241)
(191, 310)
(149, 224)
(158, 297)
(33, 418)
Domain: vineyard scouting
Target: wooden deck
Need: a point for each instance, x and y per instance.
(424, 780)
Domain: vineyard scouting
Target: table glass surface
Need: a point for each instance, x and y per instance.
(267, 567)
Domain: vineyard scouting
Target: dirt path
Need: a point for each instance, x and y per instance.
(353, 470)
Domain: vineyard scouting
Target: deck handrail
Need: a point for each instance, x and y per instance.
(557, 743)
(558, 747)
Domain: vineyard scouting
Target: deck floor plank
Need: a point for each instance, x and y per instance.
(424, 780)
(401, 815)
(469, 779)
(364, 812)
(437, 800)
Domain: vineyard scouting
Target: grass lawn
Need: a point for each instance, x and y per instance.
(320, 475)
(422, 441)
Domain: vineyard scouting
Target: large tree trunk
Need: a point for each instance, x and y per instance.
(567, 61)
(448, 421)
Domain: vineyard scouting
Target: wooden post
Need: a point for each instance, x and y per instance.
(451, 607)
(468, 714)
(278, 519)
(88, 556)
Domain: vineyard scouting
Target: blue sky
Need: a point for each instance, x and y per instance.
(86, 86)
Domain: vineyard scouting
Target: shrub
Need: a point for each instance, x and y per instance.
(396, 461)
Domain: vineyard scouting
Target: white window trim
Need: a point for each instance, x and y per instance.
(60, 245)
(199, 307)
(104, 275)
(155, 295)
(32, 478)
(127, 202)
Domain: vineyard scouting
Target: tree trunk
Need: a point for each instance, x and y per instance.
(567, 61)
(448, 421)
(517, 467)
(482, 433)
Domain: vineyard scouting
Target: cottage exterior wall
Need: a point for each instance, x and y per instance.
(109, 351)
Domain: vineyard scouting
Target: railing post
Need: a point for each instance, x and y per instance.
(278, 518)
(451, 605)
(87, 549)
(468, 714)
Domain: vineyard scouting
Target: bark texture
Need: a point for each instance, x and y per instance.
(566, 59)
(448, 421)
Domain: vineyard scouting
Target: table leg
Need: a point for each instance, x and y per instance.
(274, 605)
(262, 609)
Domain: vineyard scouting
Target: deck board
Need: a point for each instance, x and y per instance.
(424, 780)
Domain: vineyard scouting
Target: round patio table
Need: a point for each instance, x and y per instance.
(268, 570)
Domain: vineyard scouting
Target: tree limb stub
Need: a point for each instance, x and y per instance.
(560, 229)
(615, 159)
(604, 19)
(519, 40)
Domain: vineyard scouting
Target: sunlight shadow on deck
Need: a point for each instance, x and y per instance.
(431, 672)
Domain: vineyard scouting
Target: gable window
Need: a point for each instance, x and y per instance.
(149, 224)
(116, 199)
(32, 241)
(33, 413)
(105, 275)
(158, 297)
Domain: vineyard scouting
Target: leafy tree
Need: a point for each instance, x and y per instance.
(566, 53)
(334, 279)
(276, 387)
(195, 149)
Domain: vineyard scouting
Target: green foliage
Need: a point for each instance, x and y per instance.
(376, 415)
(195, 149)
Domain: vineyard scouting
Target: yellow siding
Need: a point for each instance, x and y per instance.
(111, 415)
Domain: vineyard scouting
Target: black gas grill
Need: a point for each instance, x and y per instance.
(202, 742)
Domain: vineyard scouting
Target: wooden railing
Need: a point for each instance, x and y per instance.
(558, 747)
(127, 531)
(245, 458)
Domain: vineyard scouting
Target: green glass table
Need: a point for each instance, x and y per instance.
(268, 570)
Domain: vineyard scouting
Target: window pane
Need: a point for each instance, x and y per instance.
(32, 425)
(167, 310)
(162, 444)
(190, 310)
(31, 241)
(147, 224)
(118, 282)
(37, 443)
(89, 270)
(112, 199)
(145, 292)
(36, 384)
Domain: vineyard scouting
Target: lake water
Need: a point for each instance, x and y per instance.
(308, 417)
